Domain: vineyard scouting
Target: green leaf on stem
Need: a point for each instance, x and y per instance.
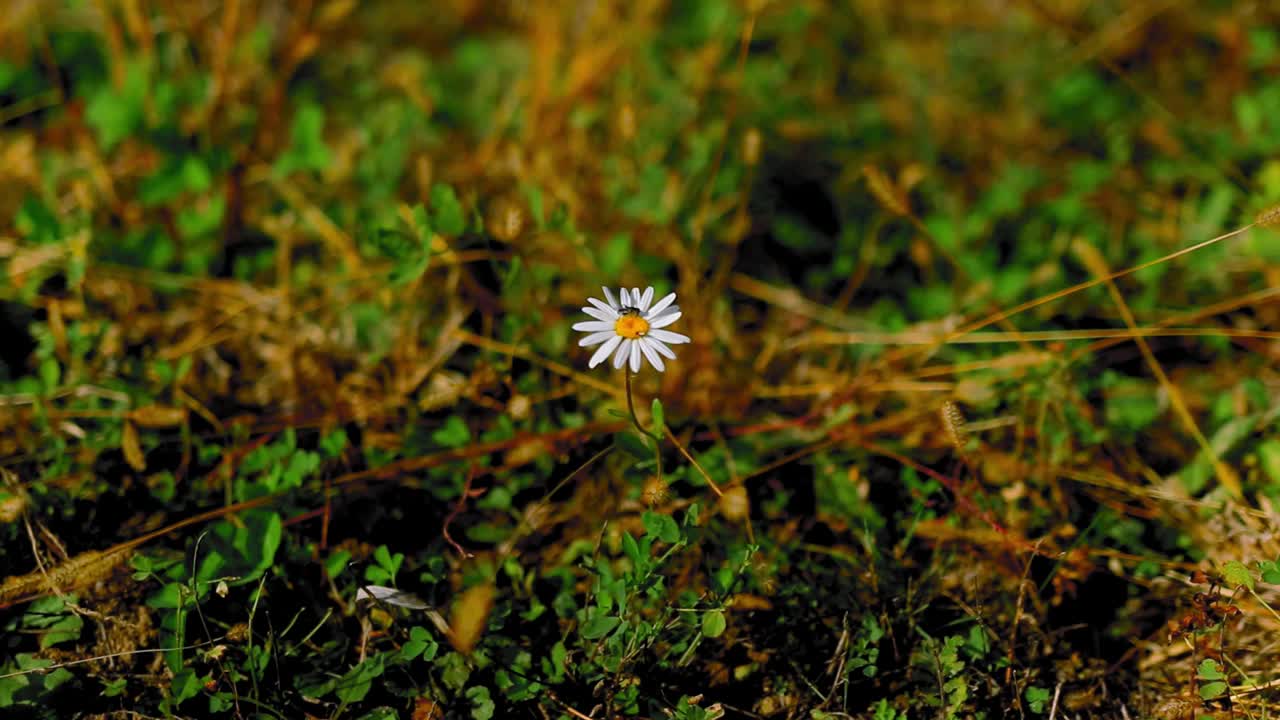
(659, 419)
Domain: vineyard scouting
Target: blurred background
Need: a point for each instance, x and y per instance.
(327, 253)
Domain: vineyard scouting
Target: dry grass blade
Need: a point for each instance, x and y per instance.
(1065, 292)
(885, 191)
(78, 573)
(1093, 260)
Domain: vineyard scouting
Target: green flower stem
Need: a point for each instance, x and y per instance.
(631, 407)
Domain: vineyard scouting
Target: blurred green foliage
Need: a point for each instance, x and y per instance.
(321, 266)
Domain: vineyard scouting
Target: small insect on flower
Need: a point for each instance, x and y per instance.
(631, 326)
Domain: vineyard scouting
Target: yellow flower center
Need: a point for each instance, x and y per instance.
(631, 326)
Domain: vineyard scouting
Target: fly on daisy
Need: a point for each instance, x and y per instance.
(631, 326)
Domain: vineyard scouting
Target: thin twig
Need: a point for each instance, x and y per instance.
(680, 446)
(111, 656)
(457, 510)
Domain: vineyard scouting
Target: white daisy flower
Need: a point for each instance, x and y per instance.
(631, 326)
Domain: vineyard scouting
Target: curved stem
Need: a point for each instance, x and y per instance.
(631, 408)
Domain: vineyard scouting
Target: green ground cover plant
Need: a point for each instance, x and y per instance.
(341, 375)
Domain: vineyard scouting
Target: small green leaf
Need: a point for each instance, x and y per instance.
(185, 685)
(691, 515)
(1236, 574)
(409, 270)
(453, 434)
(559, 655)
(307, 149)
(8, 73)
(359, 680)
(272, 534)
(168, 597)
(599, 626)
(498, 498)
(615, 255)
(314, 686)
(66, 628)
(115, 114)
(163, 486)
(50, 374)
(978, 643)
(1130, 405)
(387, 561)
(662, 527)
(337, 563)
(632, 445)
(659, 419)
(1209, 670)
(1037, 698)
(631, 548)
(1209, 691)
(52, 620)
(885, 711)
(334, 443)
(456, 670)
(713, 623)
(420, 644)
(1269, 459)
(481, 703)
(142, 567)
(1270, 572)
(446, 211)
(422, 226)
(221, 703)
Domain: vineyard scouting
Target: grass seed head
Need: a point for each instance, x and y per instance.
(656, 491)
(734, 504)
(505, 218)
(953, 420)
(1269, 217)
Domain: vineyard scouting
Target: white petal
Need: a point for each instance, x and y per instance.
(669, 309)
(646, 298)
(665, 320)
(609, 296)
(660, 346)
(594, 325)
(635, 356)
(662, 304)
(391, 596)
(596, 338)
(635, 297)
(599, 314)
(646, 346)
(624, 351)
(609, 313)
(624, 297)
(604, 350)
(668, 337)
